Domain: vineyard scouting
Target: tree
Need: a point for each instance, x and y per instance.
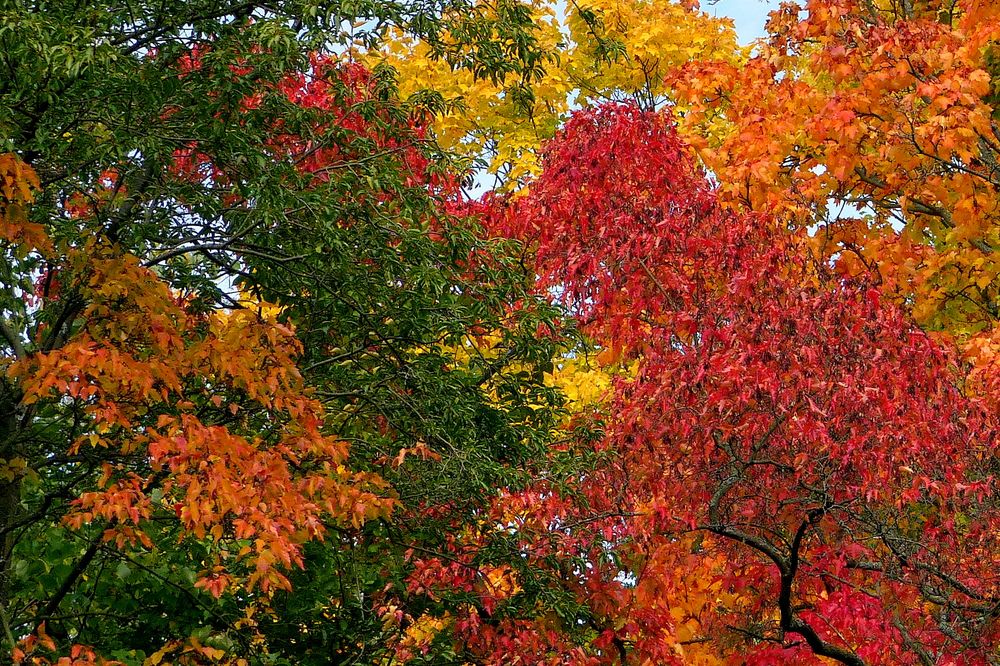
(597, 51)
(235, 274)
(786, 428)
(274, 391)
(876, 122)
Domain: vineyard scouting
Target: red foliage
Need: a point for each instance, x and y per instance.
(348, 128)
(817, 438)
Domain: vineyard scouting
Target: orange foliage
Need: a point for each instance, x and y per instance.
(874, 121)
(202, 417)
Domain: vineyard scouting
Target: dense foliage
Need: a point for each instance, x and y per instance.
(709, 378)
(243, 313)
(838, 480)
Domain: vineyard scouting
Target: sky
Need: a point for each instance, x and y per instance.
(748, 14)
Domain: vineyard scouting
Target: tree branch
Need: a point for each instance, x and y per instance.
(11, 338)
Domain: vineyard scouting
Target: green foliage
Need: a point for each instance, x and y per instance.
(135, 115)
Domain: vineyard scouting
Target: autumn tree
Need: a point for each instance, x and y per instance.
(273, 391)
(596, 51)
(785, 430)
(237, 277)
(875, 122)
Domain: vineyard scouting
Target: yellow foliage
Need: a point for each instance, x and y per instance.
(583, 385)
(598, 50)
(417, 636)
(501, 582)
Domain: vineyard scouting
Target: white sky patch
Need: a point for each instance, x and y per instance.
(749, 15)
